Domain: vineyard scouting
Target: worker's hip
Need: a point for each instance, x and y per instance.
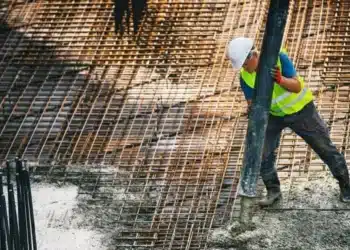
(307, 123)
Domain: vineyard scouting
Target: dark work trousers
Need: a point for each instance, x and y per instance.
(308, 124)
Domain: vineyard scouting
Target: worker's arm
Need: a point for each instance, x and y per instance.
(248, 92)
(249, 102)
(288, 77)
(290, 84)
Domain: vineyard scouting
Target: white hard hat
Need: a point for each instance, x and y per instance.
(238, 50)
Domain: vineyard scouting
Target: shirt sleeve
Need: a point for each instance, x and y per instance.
(248, 91)
(288, 69)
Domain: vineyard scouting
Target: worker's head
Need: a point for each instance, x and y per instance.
(241, 52)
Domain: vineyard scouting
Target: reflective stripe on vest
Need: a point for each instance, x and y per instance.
(280, 98)
(286, 95)
(295, 101)
(280, 105)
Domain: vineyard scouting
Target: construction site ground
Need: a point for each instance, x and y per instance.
(311, 218)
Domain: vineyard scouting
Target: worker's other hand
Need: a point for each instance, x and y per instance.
(249, 109)
(277, 75)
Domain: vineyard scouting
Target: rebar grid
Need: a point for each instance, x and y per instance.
(163, 109)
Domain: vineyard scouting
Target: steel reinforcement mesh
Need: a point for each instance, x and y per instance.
(156, 122)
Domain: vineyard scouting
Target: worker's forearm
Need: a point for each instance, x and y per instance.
(290, 84)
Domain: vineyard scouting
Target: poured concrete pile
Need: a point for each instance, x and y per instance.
(320, 221)
(58, 224)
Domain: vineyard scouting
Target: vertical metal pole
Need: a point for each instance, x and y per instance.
(30, 208)
(14, 234)
(11, 231)
(20, 203)
(4, 230)
(258, 117)
(26, 208)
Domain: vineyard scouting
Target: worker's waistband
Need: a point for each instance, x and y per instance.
(306, 111)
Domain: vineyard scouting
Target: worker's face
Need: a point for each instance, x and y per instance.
(251, 63)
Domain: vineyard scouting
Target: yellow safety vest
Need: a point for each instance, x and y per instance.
(283, 102)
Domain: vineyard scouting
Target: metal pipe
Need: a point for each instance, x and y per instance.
(259, 114)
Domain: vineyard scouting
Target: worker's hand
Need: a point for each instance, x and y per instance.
(249, 108)
(277, 75)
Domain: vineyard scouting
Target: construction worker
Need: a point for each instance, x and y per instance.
(291, 106)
